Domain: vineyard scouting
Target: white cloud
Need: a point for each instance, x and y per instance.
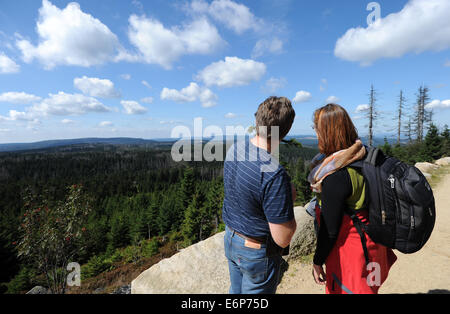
(146, 84)
(230, 115)
(138, 5)
(96, 87)
(167, 122)
(7, 65)
(362, 108)
(105, 124)
(422, 25)
(159, 45)
(70, 37)
(15, 115)
(438, 104)
(187, 94)
(234, 16)
(19, 98)
(264, 46)
(332, 100)
(447, 63)
(67, 121)
(323, 85)
(147, 100)
(232, 72)
(273, 84)
(190, 94)
(207, 98)
(302, 96)
(133, 107)
(63, 104)
(126, 77)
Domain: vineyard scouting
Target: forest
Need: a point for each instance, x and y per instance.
(138, 198)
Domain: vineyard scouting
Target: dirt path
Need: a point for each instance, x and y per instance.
(427, 271)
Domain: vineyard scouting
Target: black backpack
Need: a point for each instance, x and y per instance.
(400, 203)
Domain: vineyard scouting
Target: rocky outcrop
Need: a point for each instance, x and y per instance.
(123, 290)
(203, 268)
(443, 161)
(304, 241)
(426, 167)
(198, 269)
(38, 290)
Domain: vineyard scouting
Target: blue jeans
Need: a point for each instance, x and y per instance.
(251, 271)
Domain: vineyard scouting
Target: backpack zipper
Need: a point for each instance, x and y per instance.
(411, 207)
(397, 202)
(380, 200)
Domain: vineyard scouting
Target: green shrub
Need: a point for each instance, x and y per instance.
(21, 282)
(95, 266)
(149, 248)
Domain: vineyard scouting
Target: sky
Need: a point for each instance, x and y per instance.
(128, 68)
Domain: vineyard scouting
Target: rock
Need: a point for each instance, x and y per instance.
(38, 290)
(123, 290)
(199, 269)
(304, 240)
(99, 290)
(426, 167)
(443, 161)
(203, 268)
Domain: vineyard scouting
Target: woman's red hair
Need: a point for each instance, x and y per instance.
(335, 129)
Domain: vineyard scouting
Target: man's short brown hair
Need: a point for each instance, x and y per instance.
(273, 112)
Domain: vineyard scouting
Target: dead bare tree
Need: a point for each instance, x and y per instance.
(371, 113)
(422, 116)
(401, 105)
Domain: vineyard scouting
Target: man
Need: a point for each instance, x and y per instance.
(258, 203)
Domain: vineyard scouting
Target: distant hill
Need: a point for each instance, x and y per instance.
(81, 141)
(306, 140)
(311, 140)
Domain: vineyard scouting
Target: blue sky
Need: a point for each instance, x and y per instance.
(119, 68)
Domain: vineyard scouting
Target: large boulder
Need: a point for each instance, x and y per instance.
(199, 269)
(426, 167)
(38, 290)
(443, 161)
(203, 268)
(304, 241)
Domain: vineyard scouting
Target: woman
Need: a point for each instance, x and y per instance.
(341, 190)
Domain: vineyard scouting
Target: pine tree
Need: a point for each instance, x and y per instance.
(445, 135)
(301, 183)
(433, 144)
(119, 235)
(213, 207)
(186, 193)
(191, 227)
(386, 147)
(151, 216)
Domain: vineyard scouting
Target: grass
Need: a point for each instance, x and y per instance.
(437, 175)
(306, 259)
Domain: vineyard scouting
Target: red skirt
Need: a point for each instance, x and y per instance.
(346, 269)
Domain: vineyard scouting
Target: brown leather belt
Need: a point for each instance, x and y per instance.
(259, 240)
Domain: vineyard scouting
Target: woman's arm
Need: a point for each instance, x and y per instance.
(336, 188)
